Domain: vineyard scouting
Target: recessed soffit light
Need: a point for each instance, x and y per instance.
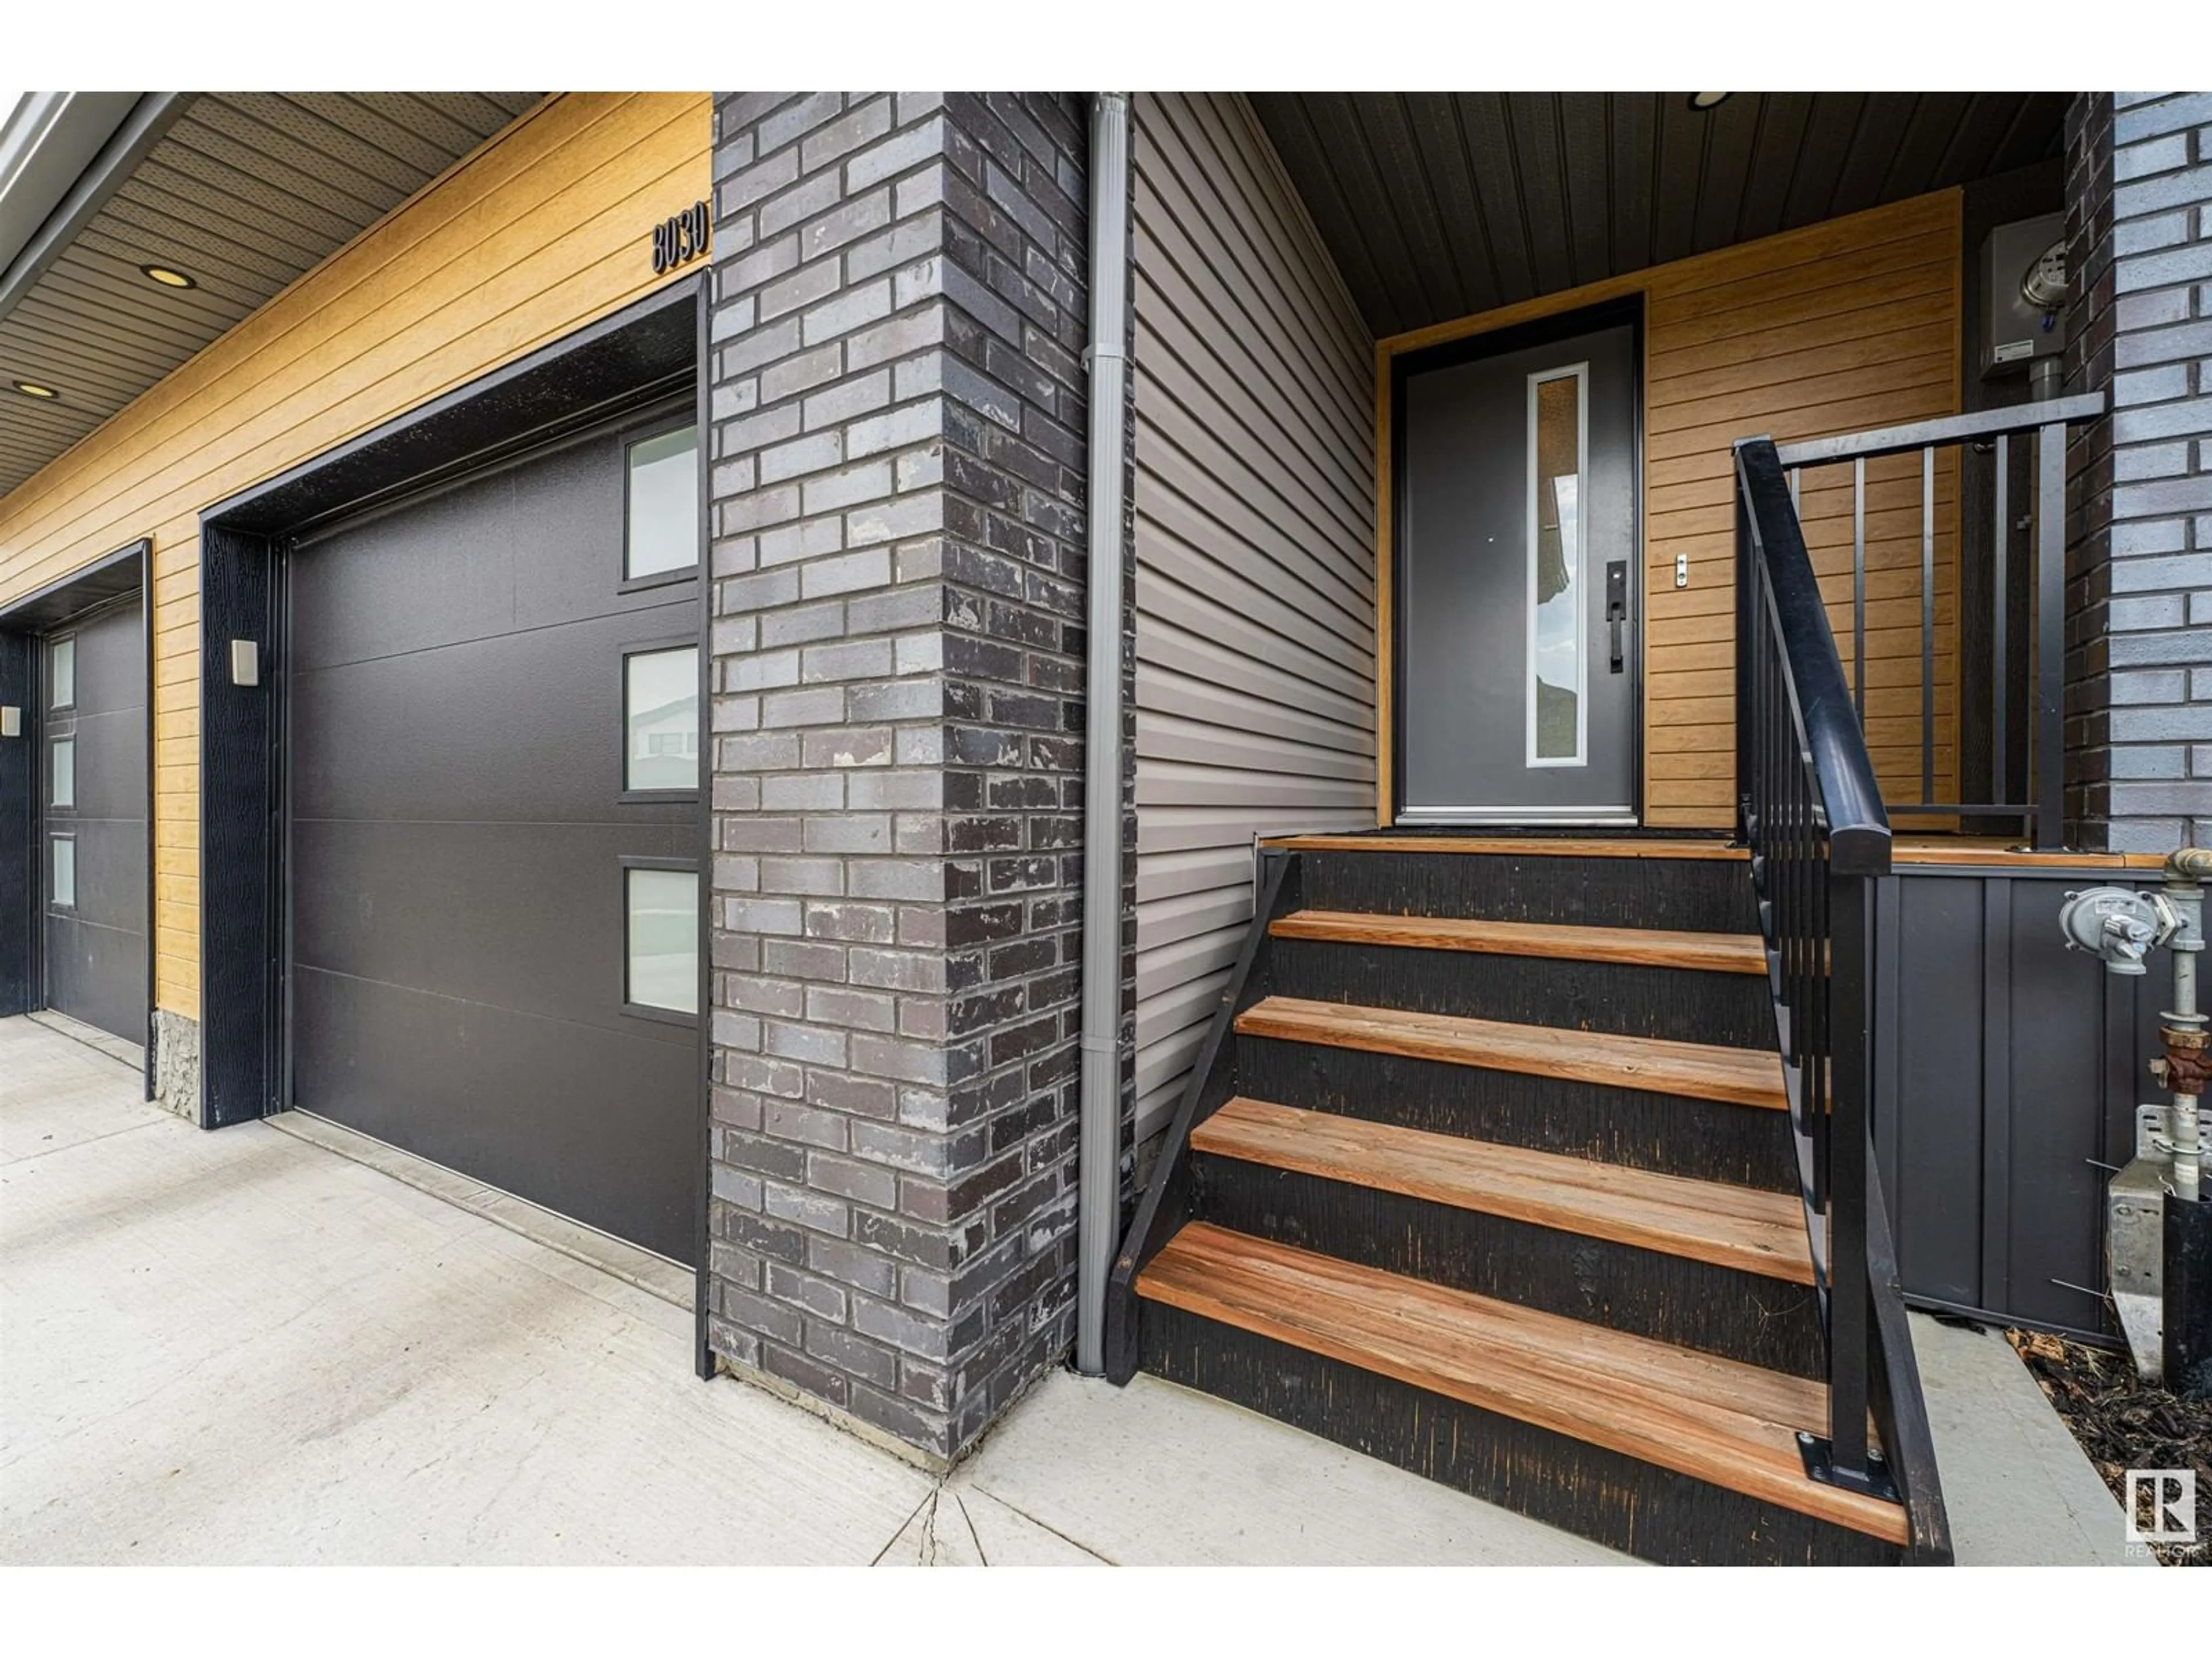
(1702, 101)
(167, 276)
(34, 389)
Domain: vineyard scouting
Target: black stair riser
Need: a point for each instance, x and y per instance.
(1695, 895)
(1711, 1141)
(1686, 1004)
(1605, 1496)
(1741, 1316)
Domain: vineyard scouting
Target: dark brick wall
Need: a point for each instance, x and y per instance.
(2139, 625)
(1016, 312)
(899, 467)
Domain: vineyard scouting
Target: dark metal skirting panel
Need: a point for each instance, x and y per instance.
(2015, 1066)
(1616, 1500)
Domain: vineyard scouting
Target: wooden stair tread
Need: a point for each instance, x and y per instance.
(1714, 1420)
(1743, 1077)
(1706, 1221)
(1583, 847)
(1724, 953)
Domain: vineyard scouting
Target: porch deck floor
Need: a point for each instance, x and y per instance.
(245, 1347)
(1981, 852)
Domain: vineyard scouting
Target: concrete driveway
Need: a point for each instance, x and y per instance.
(248, 1347)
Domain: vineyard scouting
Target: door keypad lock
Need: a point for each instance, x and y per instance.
(1616, 609)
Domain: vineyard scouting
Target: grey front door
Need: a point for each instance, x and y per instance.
(92, 805)
(1518, 535)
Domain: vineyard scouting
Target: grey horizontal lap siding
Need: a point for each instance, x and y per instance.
(1254, 550)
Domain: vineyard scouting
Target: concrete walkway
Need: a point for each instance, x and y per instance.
(248, 1347)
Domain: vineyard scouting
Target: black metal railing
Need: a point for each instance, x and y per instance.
(2006, 721)
(1811, 812)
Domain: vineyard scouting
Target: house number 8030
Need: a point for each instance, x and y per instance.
(680, 238)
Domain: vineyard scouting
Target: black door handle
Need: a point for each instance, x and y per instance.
(1616, 609)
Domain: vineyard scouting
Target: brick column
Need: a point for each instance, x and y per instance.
(897, 479)
(2139, 629)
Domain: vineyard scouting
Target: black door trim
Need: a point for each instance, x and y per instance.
(650, 351)
(22, 622)
(1519, 337)
(702, 355)
(604, 370)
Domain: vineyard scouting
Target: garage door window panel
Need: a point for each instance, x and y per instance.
(660, 517)
(62, 864)
(62, 773)
(660, 720)
(660, 915)
(61, 675)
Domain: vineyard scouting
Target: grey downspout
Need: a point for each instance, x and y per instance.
(1098, 1154)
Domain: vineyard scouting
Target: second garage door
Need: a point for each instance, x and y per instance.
(93, 798)
(495, 769)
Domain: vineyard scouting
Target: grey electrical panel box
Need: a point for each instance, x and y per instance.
(2025, 287)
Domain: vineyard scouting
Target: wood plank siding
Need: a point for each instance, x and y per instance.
(1255, 493)
(537, 234)
(1837, 328)
(1842, 327)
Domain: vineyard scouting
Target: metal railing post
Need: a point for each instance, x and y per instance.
(1746, 720)
(2001, 676)
(1849, 998)
(1858, 588)
(2050, 762)
(1928, 637)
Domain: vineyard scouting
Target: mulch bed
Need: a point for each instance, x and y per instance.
(2123, 1426)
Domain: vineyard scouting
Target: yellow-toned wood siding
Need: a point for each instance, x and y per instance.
(1845, 325)
(541, 231)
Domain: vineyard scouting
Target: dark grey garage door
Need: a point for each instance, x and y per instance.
(93, 797)
(494, 745)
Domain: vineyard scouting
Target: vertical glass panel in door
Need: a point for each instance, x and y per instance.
(663, 914)
(61, 768)
(61, 674)
(661, 718)
(663, 532)
(63, 889)
(1515, 480)
(1558, 677)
